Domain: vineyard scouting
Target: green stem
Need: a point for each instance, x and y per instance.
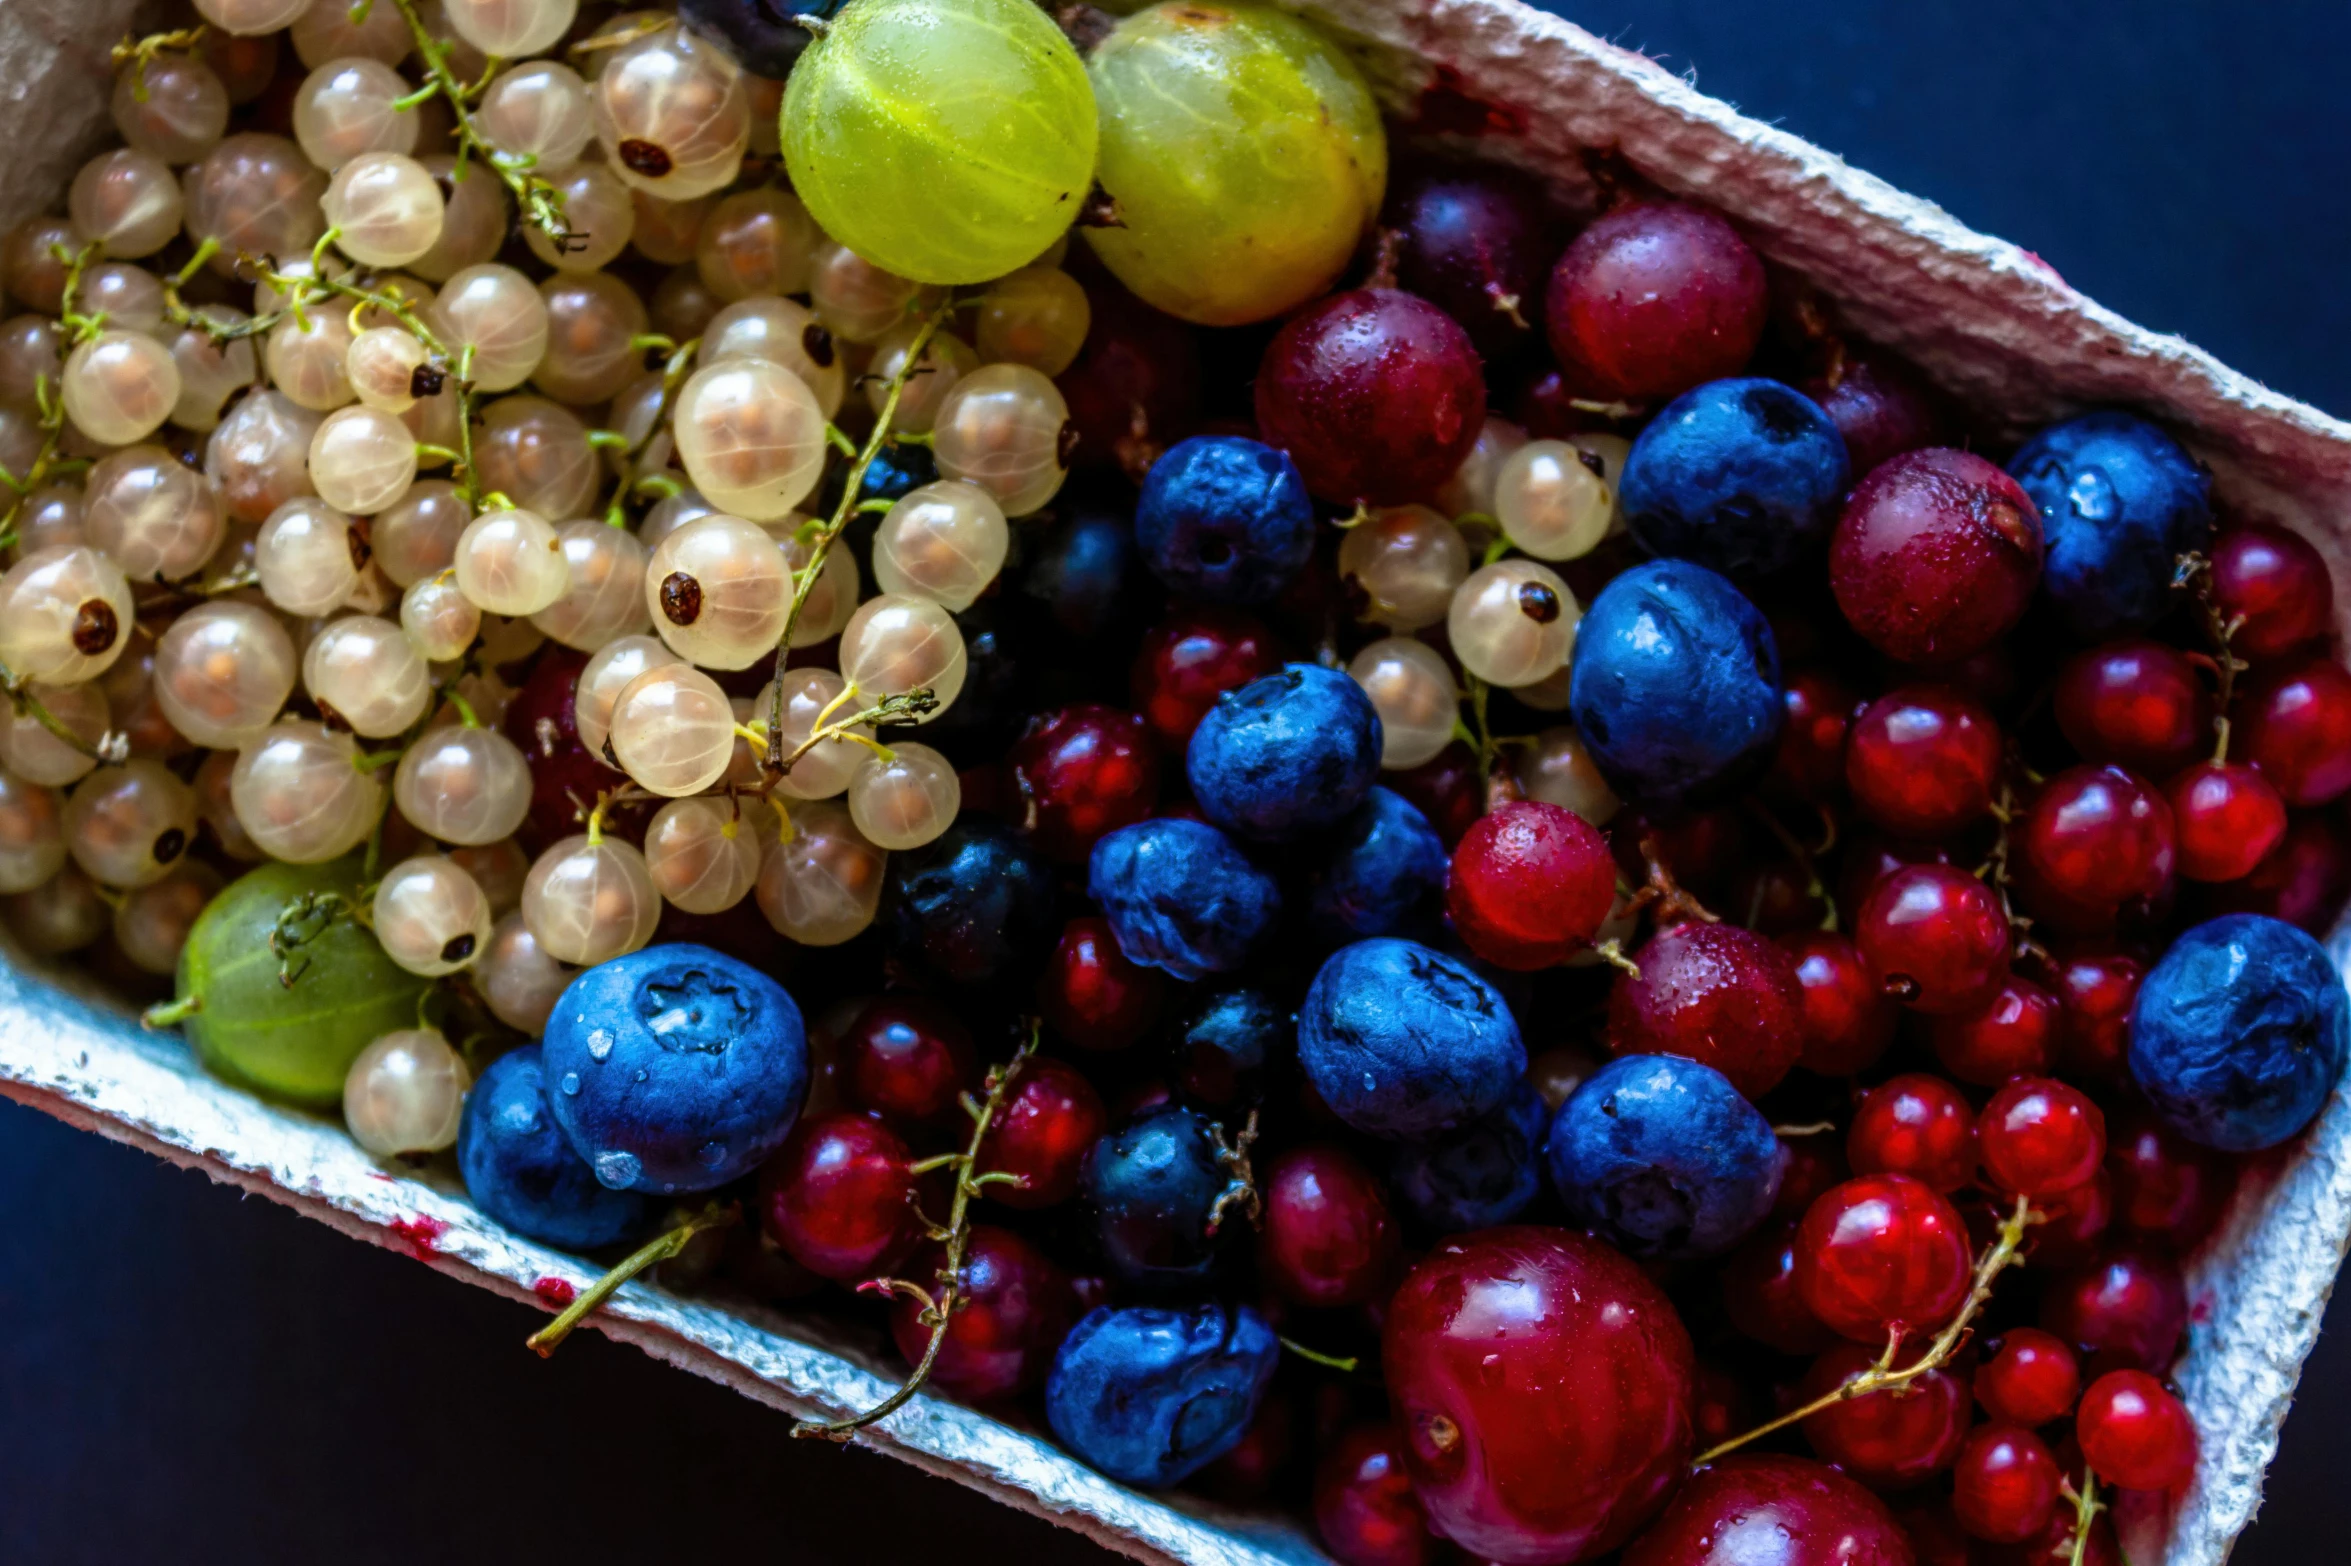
(547, 1339)
(540, 201)
(1338, 1362)
(170, 1014)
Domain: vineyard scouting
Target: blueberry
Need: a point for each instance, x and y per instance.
(1404, 1042)
(1181, 897)
(1224, 1046)
(520, 1171)
(675, 1068)
(1292, 752)
(1080, 573)
(995, 700)
(1742, 476)
(1676, 684)
(1484, 1174)
(974, 906)
(763, 35)
(1224, 518)
(1153, 1184)
(1152, 1396)
(2119, 502)
(1385, 866)
(2239, 1032)
(1661, 1156)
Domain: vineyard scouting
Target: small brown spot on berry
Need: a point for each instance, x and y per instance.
(457, 948)
(1537, 602)
(425, 381)
(817, 343)
(645, 157)
(361, 551)
(170, 845)
(681, 598)
(95, 625)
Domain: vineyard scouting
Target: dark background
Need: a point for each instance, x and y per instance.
(186, 1377)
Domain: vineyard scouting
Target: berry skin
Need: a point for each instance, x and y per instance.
(764, 37)
(1882, 1251)
(1092, 995)
(1224, 1047)
(1327, 1239)
(906, 1058)
(2128, 1306)
(2004, 1485)
(2240, 1033)
(1082, 573)
(1180, 897)
(1676, 684)
(1938, 936)
(2294, 723)
(1742, 476)
(1885, 1439)
(2030, 1379)
(1760, 1297)
(2228, 819)
(1495, 1349)
(1923, 761)
(1294, 752)
(2095, 992)
(1190, 659)
(1809, 764)
(1050, 1122)
(2275, 586)
(1653, 299)
(1014, 1308)
(1935, 556)
(1225, 519)
(1402, 1042)
(1803, 1513)
(2136, 1434)
(2165, 1187)
(835, 1197)
(1713, 993)
(1915, 1125)
(1084, 771)
(1662, 1157)
(1531, 884)
(1848, 1017)
(1152, 1184)
(2097, 844)
(2075, 1226)
(1383, 871)
(1880, 408)
(2135, 704)
(2119, 502)
(1377, 394)
(2039, 1137)
(975, 906)
(1476, 244)
(519, 1170)
(1150, 1396)
(1364, 1507)
(2014, 1034)
(1479, 1176)
(2303, 881)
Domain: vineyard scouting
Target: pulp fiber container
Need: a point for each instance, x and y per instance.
(1991, 324)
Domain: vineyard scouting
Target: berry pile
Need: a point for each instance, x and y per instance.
(1392, 849)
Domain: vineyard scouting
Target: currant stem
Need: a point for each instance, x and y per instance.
(170, 1014)
(45, 463)
(1803, 857)
(1345, 1363)
(2194, 572)
(2086, 1507)
(20, 696)
(1241, 1188)
(547, 1339)
(541, 202)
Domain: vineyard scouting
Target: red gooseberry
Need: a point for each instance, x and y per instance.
(1937, 936)
(2004, 1485)
(1364, 1506)
(1848, 1017)
(1713, 993)
(1051, 1119)
(2013, 1034)
(1892, 1438)
(2136, 704)
(2029, 1379)
(1327, 1238)
(1923, 761)
(1531, 884)
(2274, 587)
(2228, 818)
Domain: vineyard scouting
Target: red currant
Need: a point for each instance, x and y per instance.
(2014, 1034)
(2130, 1306)
(2040, 1137)
(2136, 1434)
(1814, 1164)
(1531, 885)
(1713, 993)
(1084, 771)
(2303, 881)
(1915, 1125)
(1759, 1293)
(1880, 407)
(1888, 1439)
(2136, 704)
(908, 1059)
(1190, 659)
(2294, 723)
(1935, 1539)
(1938, 937)
(2275, 587)
(1936, 556)
(1880, 1252)
(1377, 396)
(1051, 1119)
(1092, 995)
(835, 1197)
(2228, 818)
(1011, 1312)
(1753, 1508)
(2030, 1379)
(2165, 1186)
(1809, 764)
(2096, 842)
(1652, 299)
(1364, 1506)
(2074, 1223)
(2004, 1486)
(1327, 1239)
(1923, 761)
(1848, 1017)
(2095, 992)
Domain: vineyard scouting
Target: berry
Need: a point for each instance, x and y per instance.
(1189, 660)
(1809, 764)
(1153, 1184)
(2119, 502)
(2294, 723)
(2096, 845)
(1495, 1350)
(1225, 519)
(1180, 897)
(1676, 684)
(2240, 1033)
(1888, 1439)
(2095, 992)
(1447, 790)
(2074, 1226)
(1848, 1017)
(2013, 1034)
(2274, 586)
(1224, 1047)
(1662, 1157)
(1261, 1459)
(1713, 993)
(1092, 994)
(1935, 556)
(1923, 761)
(1478, 1176)
(764, 36)
(1402, 1042)
(1804, 1514)
(1012, 1310)
(1084, 771)
(1050, 1121)
(2039, 1138)
(1152, 1396)
(1327, 1239)
(1531, 884)
(1652, 299)
(2030, 1379)
(1938, 937)
(974, 906)
(835, 1197)
(1293, 752)
(1759, 1293)
(1880, 408)
(907, 1059)
(2228, 818)
(1081, 572)
(1383, 870)
(2004, 1485)
(1475, 245)
(1135, 385)
(2166, 1188)
(2135, 704)
(1742, 476)
(2128, 1305)
(1377, 394)
(2303, 881)
(1879, 1252)
(1915, 1125)
(1364, 1506)
(2136, 1434)
(521, 1172)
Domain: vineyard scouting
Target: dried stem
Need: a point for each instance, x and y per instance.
(2195, 574)
(1672, 903)
(1802, 855)
(1241, 1188)
(111, 748)
(541, 202)
(547, 1339)
(306, 919)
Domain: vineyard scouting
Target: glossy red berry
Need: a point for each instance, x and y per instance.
(1496, 1350)
(2012, 1034)
(1190, 659)
(2275, 587)
(2165, 1186)
(1889, 1439)
(1476, 245)
(1935, 556)
(1531, 885)
(835, 1197)
(1751, 1508)
(2074, 1224)
(565, 779)
(2136, 1434)
(2135, 704)
(1809, 765)
(1880, 407)
(1937, 937)
(1446, 789)
(2129, 1306)
(2095, 991)
(2039, 1137)
(1713, 993)
(1759, 1293)
(2030, 1379)
(2303, 881)
(2004, 1485)
(2228, 818)
(1915, 1125)
(2096, 842)
(1051, 1119)
(1092, 995)
(907, 1059)
(1652, 299)
(2294, 723)
(1364, 1506)
(1377, 396)
(1814, 1164)
(1012, 1311)
(1879, 1252)
(1327, 1239)
(1923, 761)
(1848, 1017)
(1084, 771)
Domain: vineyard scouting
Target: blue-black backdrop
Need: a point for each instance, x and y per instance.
(191, 1378)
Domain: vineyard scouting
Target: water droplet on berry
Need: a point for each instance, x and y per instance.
(600, 1042)
(571, 1084)
(618, 1170)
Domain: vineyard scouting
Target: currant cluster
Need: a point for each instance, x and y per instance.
(962, 663)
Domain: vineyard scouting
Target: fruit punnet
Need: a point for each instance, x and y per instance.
(1168, 860)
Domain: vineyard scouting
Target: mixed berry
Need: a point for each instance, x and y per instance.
(1390, 849)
